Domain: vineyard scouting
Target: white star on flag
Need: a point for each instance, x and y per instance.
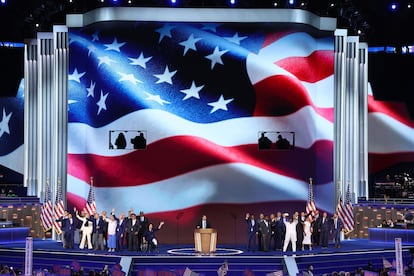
(91, 90)
(235, 38)
(105, 60)
(129, 77)
(140, 61)
(91, 49)
(192, 91)
(165, 31)
(114, 46)
(156, 98)
(190, 43)
(215, 57)
(101, 103)
(220, 104)
(75, 76)
(4, 124)
(166, 76)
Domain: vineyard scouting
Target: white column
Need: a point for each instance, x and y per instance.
(31, 180)
(339, 108)
(363, 189)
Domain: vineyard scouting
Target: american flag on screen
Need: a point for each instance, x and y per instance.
(59, 208)
(202, 93)
(389, 119)
(46, 212)
(11, 138)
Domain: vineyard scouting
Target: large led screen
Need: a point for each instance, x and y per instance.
(201, 95)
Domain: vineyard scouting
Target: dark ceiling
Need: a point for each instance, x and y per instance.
(379, 24)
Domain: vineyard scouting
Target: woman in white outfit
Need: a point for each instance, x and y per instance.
(291, 235)
(87, 228)
(307, 234)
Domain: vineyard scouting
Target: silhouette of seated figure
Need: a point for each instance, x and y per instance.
(264, 142)
(139, 141)
(282, 143)
(120, 141)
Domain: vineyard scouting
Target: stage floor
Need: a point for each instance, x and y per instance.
(353, 245)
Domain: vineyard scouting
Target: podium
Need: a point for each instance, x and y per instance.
(205, 240)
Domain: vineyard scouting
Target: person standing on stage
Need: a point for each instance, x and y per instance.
(324, 227)
(132, 229)
(280, 231)
(259, 234)
(143, 225)
(98, 228)
(265, 230)
(120, 232)
(307, 235)
(68, 227)
(315, 228)
(252, 229)
(86, 229)
(204, 223)
(105, 219)
(62, 220)
(291, 234)
(337, 227)
(273, 224)
(112, 226)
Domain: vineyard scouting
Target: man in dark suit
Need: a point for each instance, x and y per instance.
(337, 226)
(98, 230)
(273, 223)
(259, 234)
(143, 226)
(204, 223)
(69, 226)
(120, 232)
(252, 229)
(265, 230)
(324, 227)
(280, 231)
(132, 229)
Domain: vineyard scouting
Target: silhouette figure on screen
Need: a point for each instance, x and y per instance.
(282, 143)
(264, 142)
(120, 141)
(139, 141)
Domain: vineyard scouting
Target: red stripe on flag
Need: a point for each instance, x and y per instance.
(202, 154)
(313, 68)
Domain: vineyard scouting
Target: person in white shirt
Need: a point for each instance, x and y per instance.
(87, 228)
(112, 226)
(290, 235)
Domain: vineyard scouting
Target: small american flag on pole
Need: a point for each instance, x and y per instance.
(46, 215)
(310, 205)
(59, 208)
(345, 211)
(90, 203)
(349, 211)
